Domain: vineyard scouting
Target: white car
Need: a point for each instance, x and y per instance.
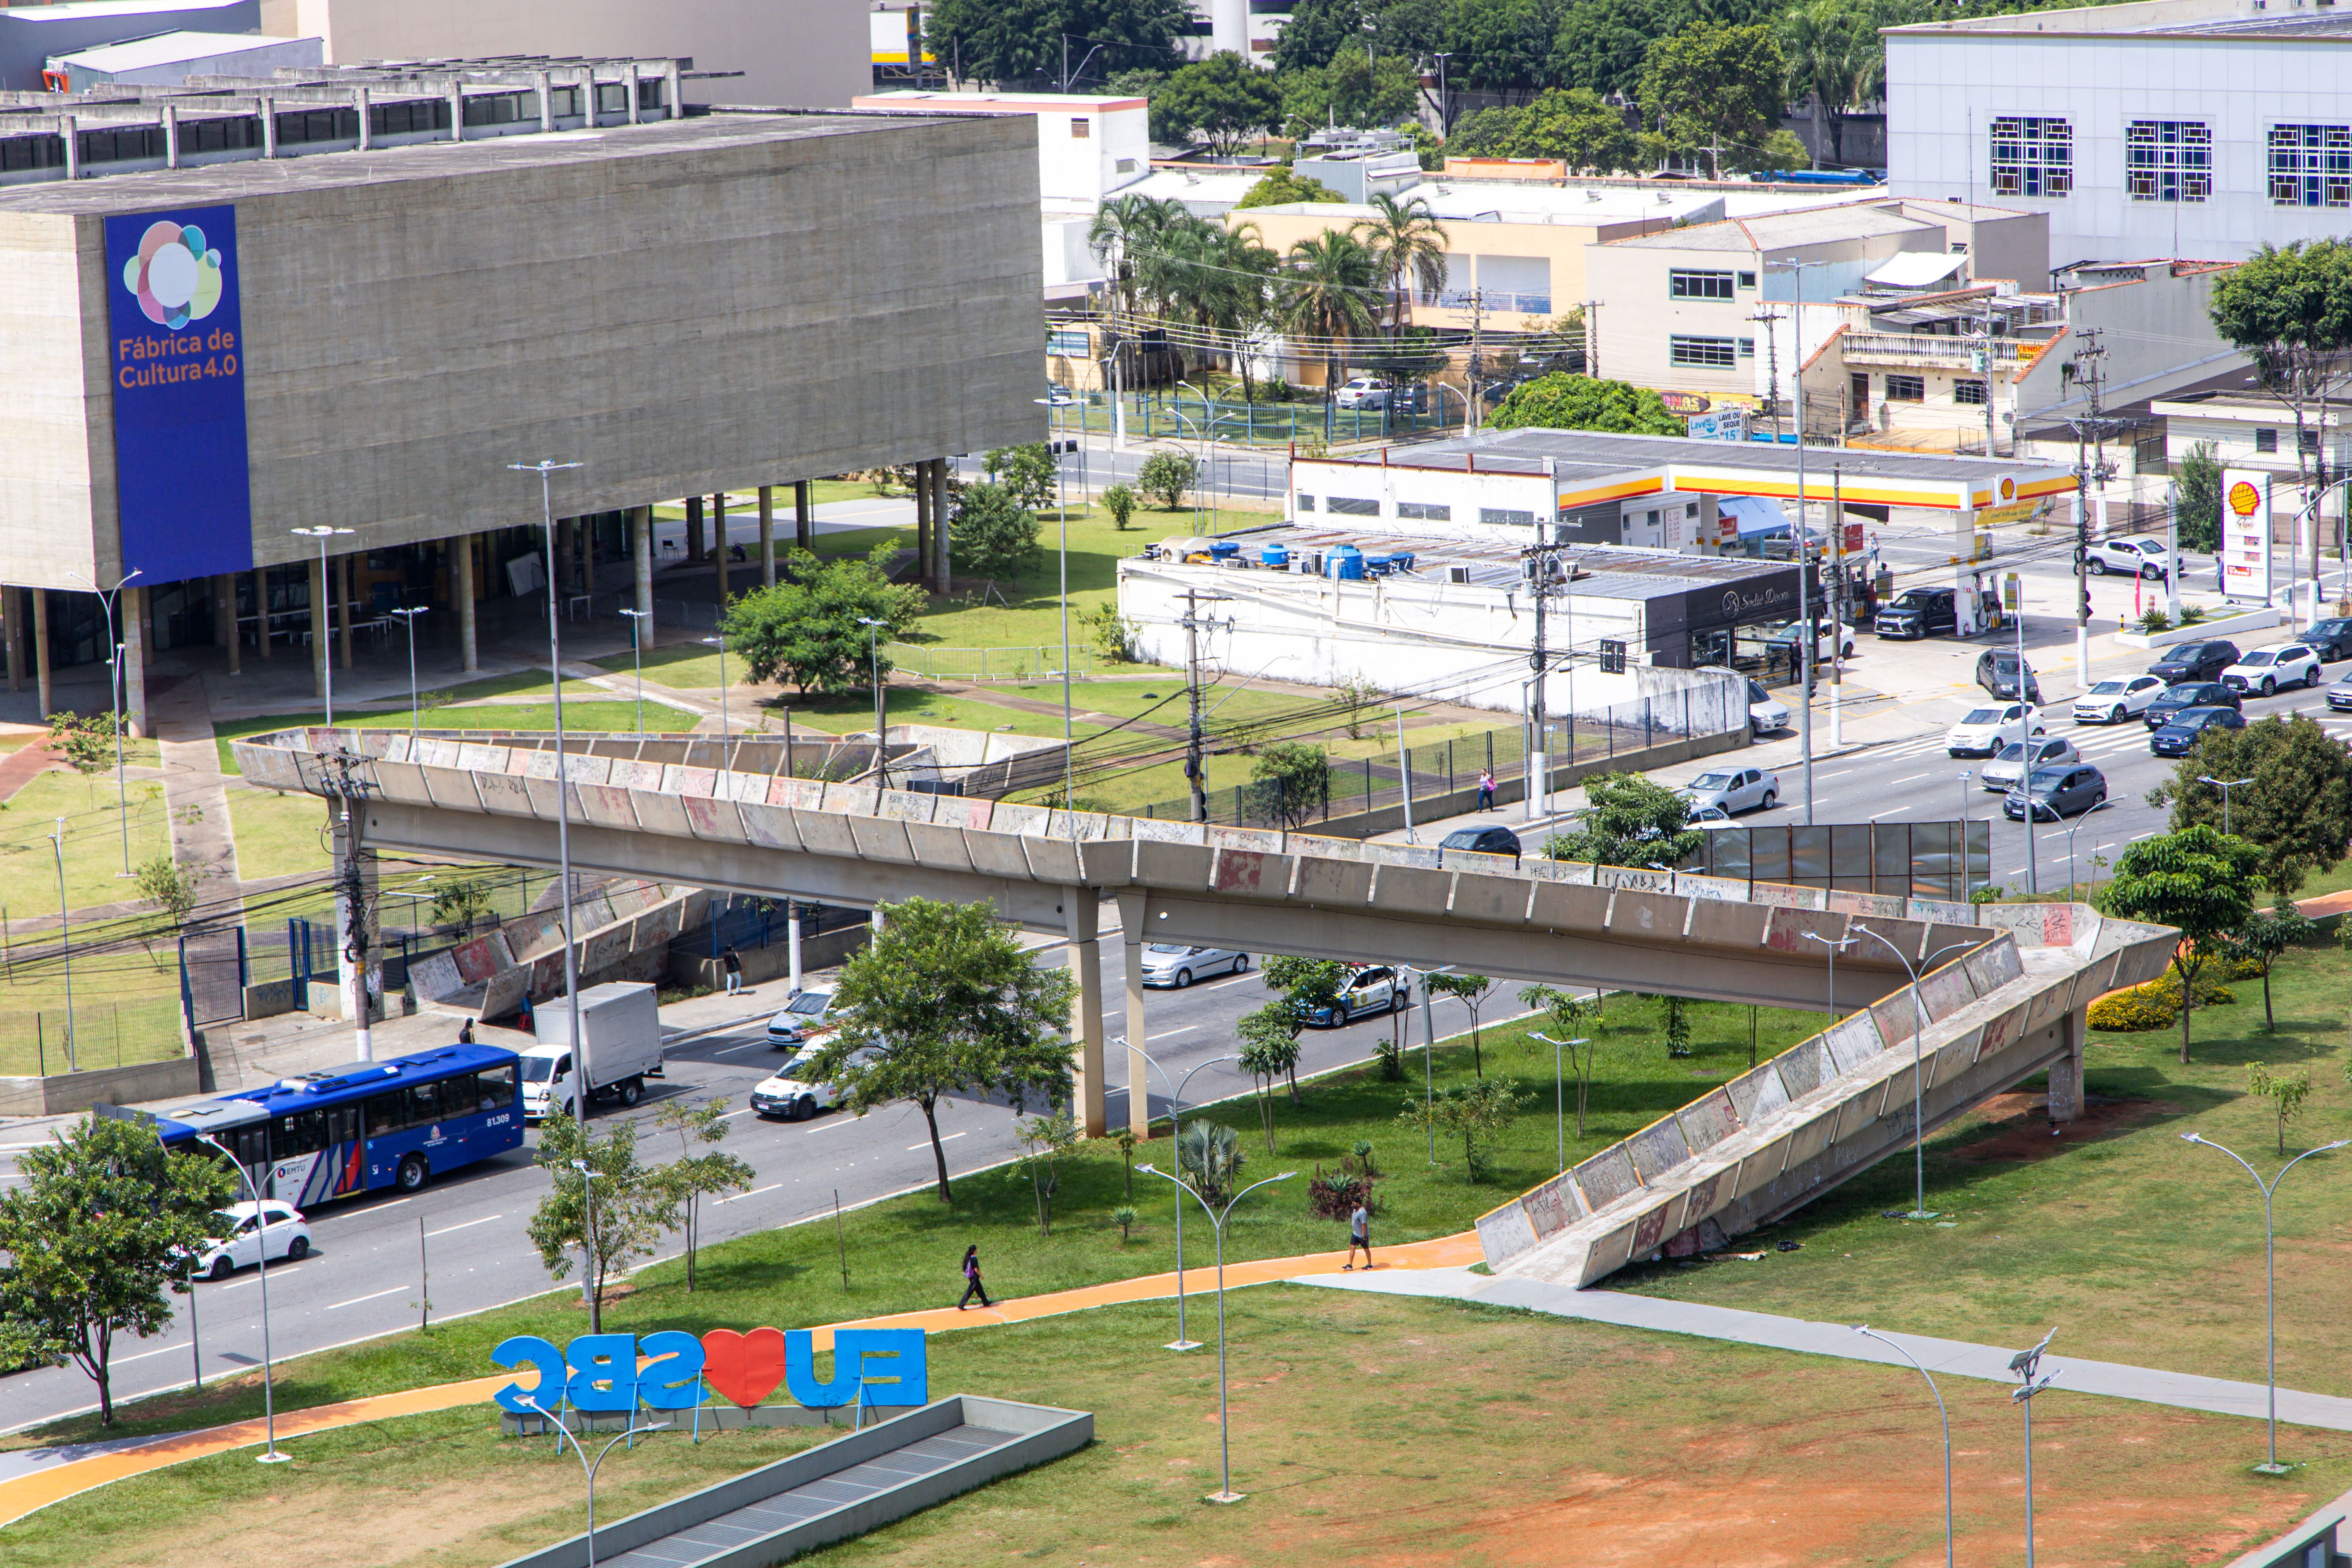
(2018, 757)
(1710, 817)
(2141, 557)
(242, 1232)
(2113, 702)
(792, 1093)
(1173, 964)
(805, 1018)
(2263, 670)
(1734, 790)
(1985, 731)
(1830, 640)
(1364, 392)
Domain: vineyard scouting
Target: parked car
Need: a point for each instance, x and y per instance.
(793, 1092)
(1916, 613)
(1830, 640)
(2142, 557)
(1734, 790)
(2331, 639)
(803, 1019)
(2067, 790)
(2113, 702)
(1173, 964)
(1374, 988)
(2269, 669)
(1983, 731)
(1765, 713)
(2019, 758)
(2175, 700)
(2339, 696)
(1997, 673)
(1711, 816)
(1483, 841)
(2194, 661)
(1364, 392)
(244, 1229)
(2185, 728)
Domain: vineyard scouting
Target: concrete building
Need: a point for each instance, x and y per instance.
(353, 301)
(805, 54)
(2157, 128)
(31, 35)
(169, 59)
(2248, 430)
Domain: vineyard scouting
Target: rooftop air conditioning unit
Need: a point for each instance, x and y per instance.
(1457, 574)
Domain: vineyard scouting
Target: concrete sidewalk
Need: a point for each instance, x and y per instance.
(1953, 1358)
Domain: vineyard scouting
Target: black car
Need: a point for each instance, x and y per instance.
(2194, 661)
(1997, 673)
(2330, 639)
(1916, 613)
(2066, 789)
(1483, 841)
(2189, 694)
(2179, 737)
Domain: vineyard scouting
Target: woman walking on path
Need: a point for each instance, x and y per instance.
(1487, 789)
(972, 1285)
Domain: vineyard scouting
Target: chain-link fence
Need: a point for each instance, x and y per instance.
(1161, 416)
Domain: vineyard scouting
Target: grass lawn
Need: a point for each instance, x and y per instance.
(1132, 789)
(93, 845)
(1364, 1429)
(278, 834)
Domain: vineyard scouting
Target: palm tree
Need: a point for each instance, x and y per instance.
(1408, 239)
(1834, 55)
(1126, 237)
(1328, 292)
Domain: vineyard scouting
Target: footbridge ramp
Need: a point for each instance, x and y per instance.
(2008, 1002)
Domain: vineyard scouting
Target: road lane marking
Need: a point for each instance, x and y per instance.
(355, 1300)
(1914, 778)
(951, 1138)
(466, 1225)
(754, 1193)
(1169, 1034)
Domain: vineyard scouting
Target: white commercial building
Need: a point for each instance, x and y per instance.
(2172, 128)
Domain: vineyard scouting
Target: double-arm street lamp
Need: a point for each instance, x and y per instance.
(269, 1454)
(1869, 1332)
(320, 615)
(408, 619)
(2225, 786)
(545, 469)
(637, 619)
(589, 1466)
(874, 664)
(1918, 1069)
(1183, 1341)
(116, 678)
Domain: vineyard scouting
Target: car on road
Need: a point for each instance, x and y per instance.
(2194, 661)
(2145, 556)
(1711, 818)
(2272, 669)
(803, 1019)
(1766, 712)
(1173, 964)
(1983, 731)
(1373, 988)
(244, 1229)
(793, 1093)
(2067, 790)
(2175, 700)
(2019, 758)
(1916, 613)
(2339, 695)
(1997, 673)
(2331, 639)
(1364, 392)
(2113, 702)
(2185, 728)
(1830, 640)
(1734, 790)
(1482, 841)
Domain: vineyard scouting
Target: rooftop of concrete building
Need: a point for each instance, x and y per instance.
(994, 102)
(88, 10)
(1585, 455)
(2258, 20)
(1814, 226)
(167, 49)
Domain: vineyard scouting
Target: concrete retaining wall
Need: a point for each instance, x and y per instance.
(690, 964)
(68, 1091)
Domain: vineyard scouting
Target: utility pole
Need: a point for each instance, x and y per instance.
(2090, 463)
(1478, 363)
(1593, 337)
(1540, 568)
(1195, 770)
(1772, 362)
(1837, 603)
(351, 893)
(1984, 368)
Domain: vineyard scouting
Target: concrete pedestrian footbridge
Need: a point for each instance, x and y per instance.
(2001, 995)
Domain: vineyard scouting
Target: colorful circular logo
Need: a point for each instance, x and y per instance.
(2008, 489)
(2244, 497)
(176, 278)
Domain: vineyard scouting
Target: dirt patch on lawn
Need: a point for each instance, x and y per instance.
(2019, 1127)
(349, 1528)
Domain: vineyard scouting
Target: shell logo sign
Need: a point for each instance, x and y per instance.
(2244, 497)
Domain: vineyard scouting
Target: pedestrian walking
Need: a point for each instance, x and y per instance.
(1486, 789)
(972, 1285)
(733, 963)
(1360, 1234)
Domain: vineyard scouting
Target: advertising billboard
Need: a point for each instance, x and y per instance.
(178, 354)
(2246, 533)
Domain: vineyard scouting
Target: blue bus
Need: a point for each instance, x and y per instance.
(394, 1124)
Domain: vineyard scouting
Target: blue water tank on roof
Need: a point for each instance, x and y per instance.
(1274, 556)
(1346, 563)
(1223, 549)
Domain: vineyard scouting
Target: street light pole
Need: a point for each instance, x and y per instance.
(719, 642)
(2025, 1364)
(1225, 1492)
(1183, 1341)
(2225, 786)
(587, 1229)
(1946, 1416)
(269, 1456)
(2270, 1272)
(637, 619)
(116, 678)
(2070, 843)
(1062, 511)
(1918, 1068)
(1835, 948)
(587, 1092)
(65, 944)
(874, 663)
(408, 619)
(1558, 1097)
(1802, 538)
(320, 614)
(589, 1468)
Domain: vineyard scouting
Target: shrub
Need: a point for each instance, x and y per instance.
(2131, 1012)
(1119, 501)
(1334, 1194)
(1166, 476)
(2153, 619)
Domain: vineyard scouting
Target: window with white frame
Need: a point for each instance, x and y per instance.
(2032, 155)
(1506, 517)
(1907, 389)
(2311, 166)
(1424, 511)
(1352, 506)
(1703, 353)
(1683, 284)
(1971, 391)
(2167, 159)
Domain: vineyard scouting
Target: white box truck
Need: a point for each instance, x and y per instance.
(620, 1034)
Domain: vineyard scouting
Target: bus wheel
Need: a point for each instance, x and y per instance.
(633, 1090)
(412, 1173)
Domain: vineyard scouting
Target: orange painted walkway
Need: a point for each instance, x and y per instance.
(24, 1494)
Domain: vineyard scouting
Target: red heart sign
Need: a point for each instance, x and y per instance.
(743, 1368)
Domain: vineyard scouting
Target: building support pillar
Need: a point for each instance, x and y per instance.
(942, 571)
(767, 536)
(41, 648)
(12, 614)
(261, 610)
(224, 630)
(461, 588)
(803, 516)
(130, 614)
(1131, 914)
(347, 573)
(693, 529)
(1081, 917)
(641, 525)
(319, 632)
(719, 541)
(2067, 1073)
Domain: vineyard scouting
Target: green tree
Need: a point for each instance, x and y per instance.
(1409, 244)
(946, 1000)
(1629, 820)
(1223, 100)
(1025, 473)
(2291, 311)
(1269, 1050)
(1478, 1113)
(2261, 940)
(1320, 31)
(2297, 813)
(1108, 633)
(1564, 1016)
(1349, 90)
(1018, 43)
(1329, 290)
(1125, 236)
(2195, 880)
(1504, 47)
(1470, 990)
(172, 891)
(460, 901)
(1835, 59)
(1290, 781)
(693, 1176)
(1573, 124)
(1716, 88)
(1165, 477)
(1280, 187)
(805, 629)
(1677, 1024)
(1046, 1141)
(2197, 505)
(1208, 1157)
(1119, 501)
(1308, 985)
(2285, 1094)
(616, 1221)
(994, 535)
(1601, 44)
(100, 1225)
(1565, 402)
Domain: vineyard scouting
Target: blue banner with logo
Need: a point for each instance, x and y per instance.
(179, 393)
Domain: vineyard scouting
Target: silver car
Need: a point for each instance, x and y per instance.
(1734, 790)
(2016, 760)
(1173, 964)
(805, 1016)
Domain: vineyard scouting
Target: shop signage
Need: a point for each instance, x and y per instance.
(668, 1371)
(2246, 534)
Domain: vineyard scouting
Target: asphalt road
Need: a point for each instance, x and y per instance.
(363, 1279)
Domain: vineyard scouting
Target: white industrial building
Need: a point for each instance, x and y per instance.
(2171, 128)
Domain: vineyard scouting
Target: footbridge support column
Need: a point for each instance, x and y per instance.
(1138, 1072)
(1082, 920)
(2067, 1073)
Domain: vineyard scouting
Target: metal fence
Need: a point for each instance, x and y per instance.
(1907, 859)
(1162, 417)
